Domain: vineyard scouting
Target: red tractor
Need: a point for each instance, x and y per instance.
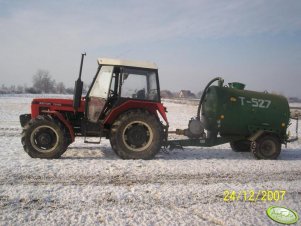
(123, 105)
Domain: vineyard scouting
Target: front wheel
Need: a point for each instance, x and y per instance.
(266, 147)
(136, 135)
(44, 137)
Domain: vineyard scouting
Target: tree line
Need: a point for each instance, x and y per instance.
(42, 82)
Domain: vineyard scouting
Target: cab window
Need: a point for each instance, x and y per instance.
(139, 84)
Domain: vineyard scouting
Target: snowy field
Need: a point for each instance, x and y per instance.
(89, 185)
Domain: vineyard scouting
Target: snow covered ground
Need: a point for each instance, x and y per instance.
(90, 185)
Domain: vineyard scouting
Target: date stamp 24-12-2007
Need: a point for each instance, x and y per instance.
(254, 196)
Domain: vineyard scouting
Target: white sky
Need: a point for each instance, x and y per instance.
(255, 42)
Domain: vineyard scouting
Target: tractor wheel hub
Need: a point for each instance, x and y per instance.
(44, 139)
(137, 135)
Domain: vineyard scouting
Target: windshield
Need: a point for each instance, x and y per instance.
(102, 83)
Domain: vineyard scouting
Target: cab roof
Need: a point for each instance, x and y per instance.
(129, 63)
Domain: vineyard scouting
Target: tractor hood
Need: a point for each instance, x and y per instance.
(54, 104)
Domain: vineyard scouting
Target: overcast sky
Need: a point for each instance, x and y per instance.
(256, 42)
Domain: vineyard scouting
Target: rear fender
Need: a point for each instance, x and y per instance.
(64, 121)
(151, 107)
(261, 133)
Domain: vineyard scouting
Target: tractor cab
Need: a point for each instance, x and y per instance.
(118, 81)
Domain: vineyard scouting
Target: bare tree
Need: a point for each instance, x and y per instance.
(43, 82)
(20, 89)
(69, 90)
(60, 88)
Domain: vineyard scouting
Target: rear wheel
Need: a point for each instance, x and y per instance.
(266, 147)
(241, 146)
(136, 135)
(44, 137)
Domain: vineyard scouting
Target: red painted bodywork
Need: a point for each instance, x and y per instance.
(56, 106)
(152, 107)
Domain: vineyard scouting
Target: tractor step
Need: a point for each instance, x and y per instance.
(92, 132)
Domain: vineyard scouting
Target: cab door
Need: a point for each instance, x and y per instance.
(98, 94)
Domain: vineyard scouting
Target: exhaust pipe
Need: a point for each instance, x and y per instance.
(78, 87)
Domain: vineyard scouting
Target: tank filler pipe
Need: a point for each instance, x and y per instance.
(204, 94)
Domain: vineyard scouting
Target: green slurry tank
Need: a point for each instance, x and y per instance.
(248, 120)
(235, 111)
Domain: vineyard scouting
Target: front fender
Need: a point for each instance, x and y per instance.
(64, 121)
(24, 119)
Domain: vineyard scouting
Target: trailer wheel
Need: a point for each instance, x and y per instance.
(266, 147)
(136, 135)
(44, 137)
(241, 146)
